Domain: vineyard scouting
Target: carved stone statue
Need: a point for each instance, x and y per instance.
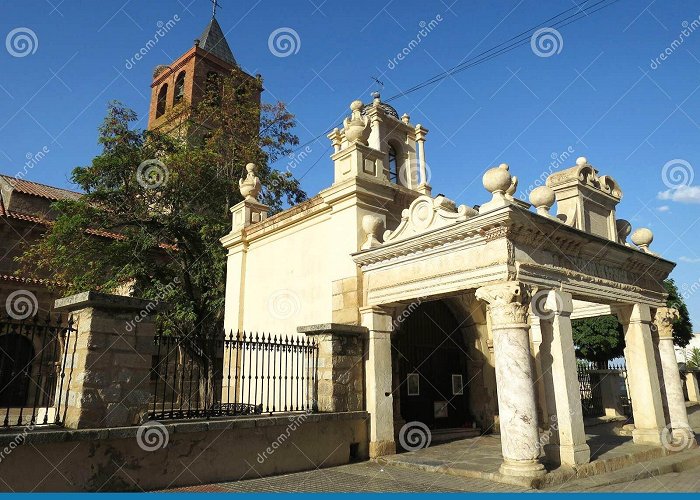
(250, 186)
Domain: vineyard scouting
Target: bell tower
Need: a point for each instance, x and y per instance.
(376, 144)
(178, 88)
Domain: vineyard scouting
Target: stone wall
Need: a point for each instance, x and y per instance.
(134, 458)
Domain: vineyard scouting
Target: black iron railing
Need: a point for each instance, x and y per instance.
(235, 374)
(590, 376)
(33, 367)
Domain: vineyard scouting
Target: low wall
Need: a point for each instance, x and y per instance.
(196, 452)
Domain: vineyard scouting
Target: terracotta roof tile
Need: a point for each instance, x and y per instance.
(41, 190)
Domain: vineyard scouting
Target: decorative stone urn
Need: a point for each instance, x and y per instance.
(357, 126)
(542, 198)
(373, 226)
(498, 182)
(643, 237)
(250, 186)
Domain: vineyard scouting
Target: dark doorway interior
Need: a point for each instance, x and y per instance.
(16, 354)
(432, 367)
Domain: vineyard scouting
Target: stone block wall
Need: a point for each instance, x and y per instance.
(107, 382)
(340, 368)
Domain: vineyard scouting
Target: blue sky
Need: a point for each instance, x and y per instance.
(604, 93)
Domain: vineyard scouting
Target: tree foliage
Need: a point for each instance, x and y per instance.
(155, 226)
(694, 358)
(601, 339)
(682, 327)
(598, 339)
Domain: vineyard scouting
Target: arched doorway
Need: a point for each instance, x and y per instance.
(16, 355)
(432, 367)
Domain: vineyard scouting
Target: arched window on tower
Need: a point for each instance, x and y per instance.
(161, 103)
(179, 88)
(393, 164)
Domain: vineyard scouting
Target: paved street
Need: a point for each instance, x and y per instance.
(372, 477)
(360, 477)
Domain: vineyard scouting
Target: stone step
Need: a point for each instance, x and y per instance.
(676, 462)
(446, 435)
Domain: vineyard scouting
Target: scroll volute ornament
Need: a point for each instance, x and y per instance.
(508, 303)
(664, 319)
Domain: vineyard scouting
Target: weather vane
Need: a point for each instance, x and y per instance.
(215, 5)
(379, 82)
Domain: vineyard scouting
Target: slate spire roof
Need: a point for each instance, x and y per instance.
(214, 42)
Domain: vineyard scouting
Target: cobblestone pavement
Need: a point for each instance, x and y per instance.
(360, 477)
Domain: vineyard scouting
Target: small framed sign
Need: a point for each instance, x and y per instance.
(440, 409)
(413, 384)
(457, 385)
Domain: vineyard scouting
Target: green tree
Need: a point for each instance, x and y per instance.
(694, 358)
(155, 226)
(598, 339)
(682, 327)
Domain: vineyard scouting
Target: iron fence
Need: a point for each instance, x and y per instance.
(590, 376)
(33, 368)
(235, 374)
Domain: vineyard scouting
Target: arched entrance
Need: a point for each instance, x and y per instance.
(432, 367)
(16, 355)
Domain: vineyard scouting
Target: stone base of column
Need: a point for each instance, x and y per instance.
(684, 437)
(647, 436)
(381, 448)
(522, 468)
(567, 454)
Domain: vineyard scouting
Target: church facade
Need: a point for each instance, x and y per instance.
(455, 317)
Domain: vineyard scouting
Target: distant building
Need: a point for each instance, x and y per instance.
(683, 353)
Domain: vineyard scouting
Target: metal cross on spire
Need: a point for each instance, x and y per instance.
(215, 5)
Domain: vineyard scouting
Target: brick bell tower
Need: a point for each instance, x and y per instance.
(179, 87)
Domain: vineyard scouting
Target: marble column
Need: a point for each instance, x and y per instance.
(675, 401)
(642, 374)
(508, 307)
(567, 443)
(378, 380)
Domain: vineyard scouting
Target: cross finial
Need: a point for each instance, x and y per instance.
(215, 5)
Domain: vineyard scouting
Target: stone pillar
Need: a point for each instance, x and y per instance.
(642, 375)
(108, 364)
(423, 186)
(691, 383)
(508, 305)
(567, 444)
(610, 382)
(675, 401)
(340, 372)
(536, 341)
(378, 380)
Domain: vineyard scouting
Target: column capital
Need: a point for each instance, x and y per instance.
(508, 303)
(664, 319)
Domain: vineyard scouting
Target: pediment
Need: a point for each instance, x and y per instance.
(426, 214)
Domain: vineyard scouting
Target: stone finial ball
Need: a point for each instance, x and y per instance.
(581, 161)
(624, 228)
(542, 196)
(497, 179)
(642, 237)
(504, 166)
(250, 168)
(356, 105)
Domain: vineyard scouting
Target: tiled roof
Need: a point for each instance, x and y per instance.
(214, 42)
(31, 281)
(41, 190)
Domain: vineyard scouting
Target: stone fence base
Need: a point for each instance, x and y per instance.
(134, 458)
